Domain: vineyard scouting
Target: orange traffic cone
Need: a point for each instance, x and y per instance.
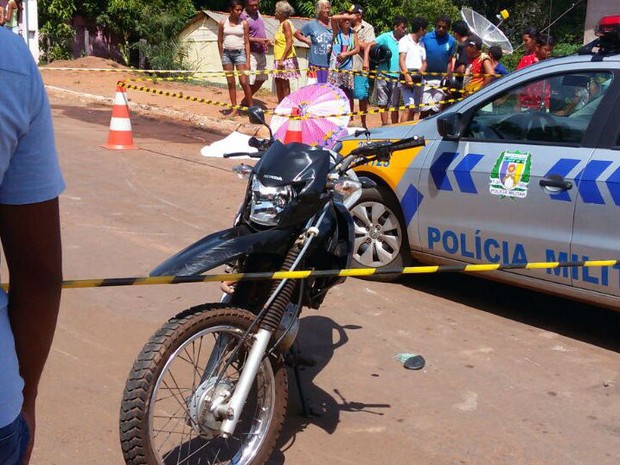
(293, 130)
(120, 136)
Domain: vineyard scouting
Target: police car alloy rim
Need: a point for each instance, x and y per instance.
(378, 236)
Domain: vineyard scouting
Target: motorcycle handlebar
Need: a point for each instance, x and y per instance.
(260, 144)
(243, 154)
(411, 142)
(386, 146)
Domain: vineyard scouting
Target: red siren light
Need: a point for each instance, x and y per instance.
(609, 26)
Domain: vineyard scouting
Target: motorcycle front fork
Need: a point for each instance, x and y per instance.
(231, 411)
(242, 389)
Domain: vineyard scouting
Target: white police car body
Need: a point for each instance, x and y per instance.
(525, 170)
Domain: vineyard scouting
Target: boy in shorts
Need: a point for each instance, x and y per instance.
(387, 91)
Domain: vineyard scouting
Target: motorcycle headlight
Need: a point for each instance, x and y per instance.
(268, 202)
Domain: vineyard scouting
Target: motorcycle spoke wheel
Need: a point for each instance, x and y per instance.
(166, 414)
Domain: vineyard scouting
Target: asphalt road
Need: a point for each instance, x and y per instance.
(512, 377)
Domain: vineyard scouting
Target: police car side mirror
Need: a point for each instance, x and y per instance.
(450, 125)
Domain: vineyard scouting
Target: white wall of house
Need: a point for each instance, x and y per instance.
(200, 37)
(595, 10)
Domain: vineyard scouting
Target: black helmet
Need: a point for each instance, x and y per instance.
(451, 83)
(379, 54)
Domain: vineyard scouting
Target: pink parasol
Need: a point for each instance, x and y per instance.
(324, 111)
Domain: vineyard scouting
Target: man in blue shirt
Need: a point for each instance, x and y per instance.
(30, 183)
(440, 47)
(386, 89)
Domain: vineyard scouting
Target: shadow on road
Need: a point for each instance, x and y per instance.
(587, 323)
(319, 338)
(144, 127)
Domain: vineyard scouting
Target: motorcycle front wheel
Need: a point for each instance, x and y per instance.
(167, 413)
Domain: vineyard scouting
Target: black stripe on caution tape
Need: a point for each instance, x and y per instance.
(357, 272)
(182, 96)
(236, 72)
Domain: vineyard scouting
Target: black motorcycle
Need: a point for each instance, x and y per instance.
(211, 387)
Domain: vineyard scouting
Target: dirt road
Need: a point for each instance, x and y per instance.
(512, 377)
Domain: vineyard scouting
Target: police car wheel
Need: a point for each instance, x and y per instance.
(380, 236)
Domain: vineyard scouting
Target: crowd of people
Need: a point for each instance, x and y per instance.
(411, 66)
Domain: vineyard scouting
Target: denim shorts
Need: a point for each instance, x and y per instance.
(233, 57)
(14, 439)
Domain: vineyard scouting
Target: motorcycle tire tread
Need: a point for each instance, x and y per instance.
(147, 367)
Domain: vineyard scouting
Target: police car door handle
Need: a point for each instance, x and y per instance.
(555, 182)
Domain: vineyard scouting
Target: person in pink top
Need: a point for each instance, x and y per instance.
(233, 40)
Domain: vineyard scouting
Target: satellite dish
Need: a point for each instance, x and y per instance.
(490, 34)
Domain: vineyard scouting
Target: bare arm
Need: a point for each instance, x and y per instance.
(288, 35)
(403, 68)
(367, 48)
(9, 10)
(335, 18)
(246, 37)
(31, 240)
(302, 38)
(488, 70)
(356, 46)
(220, 38)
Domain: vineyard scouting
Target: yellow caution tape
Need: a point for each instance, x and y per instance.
(305, 274)
(182, 96)
(236, 72)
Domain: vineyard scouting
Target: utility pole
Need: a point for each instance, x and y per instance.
(30, 27)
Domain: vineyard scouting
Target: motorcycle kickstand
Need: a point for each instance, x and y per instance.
(294, 360)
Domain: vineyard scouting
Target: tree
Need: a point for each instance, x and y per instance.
(153, 24)
(430, 9)
(55, 31)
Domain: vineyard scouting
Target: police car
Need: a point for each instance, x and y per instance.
(525, 170)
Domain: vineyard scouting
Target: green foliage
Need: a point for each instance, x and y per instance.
(563, 49)
(55, 30)
(511, 61)
(166, 55)
(430, 9)
(157, 21)
(566, 17)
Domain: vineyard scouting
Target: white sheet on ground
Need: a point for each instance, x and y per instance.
(238, 142)
(234, 142)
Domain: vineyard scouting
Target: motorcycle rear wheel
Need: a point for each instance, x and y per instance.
(165, 416)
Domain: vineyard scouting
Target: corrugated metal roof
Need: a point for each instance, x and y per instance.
(271, 24)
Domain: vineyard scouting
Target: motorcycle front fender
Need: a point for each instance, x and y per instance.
(221, 247)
